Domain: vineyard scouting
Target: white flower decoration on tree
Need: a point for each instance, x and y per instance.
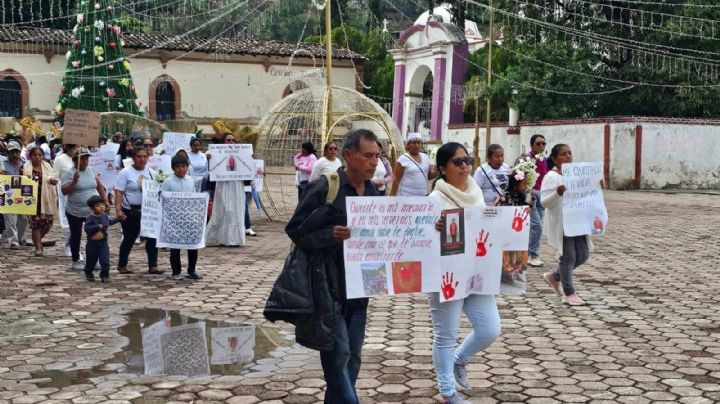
(99, 24)
(75, 92)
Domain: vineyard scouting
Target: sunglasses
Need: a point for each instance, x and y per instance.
(332, 148)
(458, 162)
(147, 145)
(540, 143)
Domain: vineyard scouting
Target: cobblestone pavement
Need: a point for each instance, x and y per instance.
(650, 333)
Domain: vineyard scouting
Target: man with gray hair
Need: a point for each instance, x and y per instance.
(320, 227)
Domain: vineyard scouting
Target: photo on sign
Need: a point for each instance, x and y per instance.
(514, 272)
(15, 182)
(452, 239)
(374, 275)
(26, 190)
(474, 284)
(407, 277)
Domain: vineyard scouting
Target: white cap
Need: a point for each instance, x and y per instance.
(413, 136)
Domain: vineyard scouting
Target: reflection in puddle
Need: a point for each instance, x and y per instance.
(169, 343)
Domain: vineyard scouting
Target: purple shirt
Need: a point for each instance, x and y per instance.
(541, 169)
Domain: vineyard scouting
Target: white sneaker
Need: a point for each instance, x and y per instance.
(250, 232)
(67, 251)
(535, 262)
(78, 265)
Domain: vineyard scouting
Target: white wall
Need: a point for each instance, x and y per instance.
(209, 88)
(673, 155)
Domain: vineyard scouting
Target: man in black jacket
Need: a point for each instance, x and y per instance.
(341, 365)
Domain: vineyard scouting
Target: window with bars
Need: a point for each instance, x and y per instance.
(10, 98)
(165, 102)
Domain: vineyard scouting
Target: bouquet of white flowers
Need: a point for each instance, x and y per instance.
(161, 176)
(525, 170)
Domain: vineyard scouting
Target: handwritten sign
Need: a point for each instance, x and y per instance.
(173, 141)
(231, 162)
(81, 127)
(18, 195)
(393, 248)
(160, 163)
(102, 160)
(583, 206)
(151, 218)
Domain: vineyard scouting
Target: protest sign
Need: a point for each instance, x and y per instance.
(231, 162)
(81, 127)
(160, 164)
(180, 350)
(62, 199)
(583, 206)
(259, 175)
(173, 141)
(152, 348)
(393, 248)
(232, 344)
(102, 160)
(18, 195)
(151, 218)
(472, 254)
(184, 216)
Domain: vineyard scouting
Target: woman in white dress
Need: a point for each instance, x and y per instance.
(226, 225)
(328, 163)
(413, 170)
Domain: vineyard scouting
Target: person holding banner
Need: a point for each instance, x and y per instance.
(15, 224)
(128, 208)
(79, 184)
(457, 189)
(573, 251)
(181, 181)
(41, 171)
(123, 152)
(226, 226)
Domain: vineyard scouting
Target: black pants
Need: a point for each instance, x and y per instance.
(76, 228)
(97, 250)
(175, 263)
(131, 230)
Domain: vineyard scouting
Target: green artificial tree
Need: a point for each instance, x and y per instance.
(97, 76)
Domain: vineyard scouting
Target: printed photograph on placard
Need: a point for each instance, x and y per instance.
(407, 277)
(514, 272)
(474, 284)
(26, 190)
(374, 275)
(15, 182)
(452, 238)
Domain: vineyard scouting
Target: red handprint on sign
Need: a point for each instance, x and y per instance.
(480, 249)
(447, 287)
(521, 214)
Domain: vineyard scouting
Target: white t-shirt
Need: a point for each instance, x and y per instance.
(414, 180)
(323, 166)
(46, 151)
(127, 182)
(499, 180)
(380, 173)
(62, 163)
(199, 164)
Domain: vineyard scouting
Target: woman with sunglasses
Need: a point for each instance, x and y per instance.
(537, 152)
(328, 163)
(412, 170)
(226, 226)
(456, 189)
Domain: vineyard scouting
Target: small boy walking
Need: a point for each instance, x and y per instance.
(180, 181)
(97, 248)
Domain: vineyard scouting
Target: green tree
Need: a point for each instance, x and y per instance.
(97, 76)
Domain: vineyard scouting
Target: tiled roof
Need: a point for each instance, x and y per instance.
(253, 47)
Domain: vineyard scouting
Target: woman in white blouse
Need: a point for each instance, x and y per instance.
(413, 170)
(198, 164)
(328, 163)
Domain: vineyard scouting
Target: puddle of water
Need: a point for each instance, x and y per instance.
(178, 344)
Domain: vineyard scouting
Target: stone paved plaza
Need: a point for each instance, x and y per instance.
(650, 331)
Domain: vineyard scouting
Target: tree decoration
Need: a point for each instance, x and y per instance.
(90, 84)
(67, 55)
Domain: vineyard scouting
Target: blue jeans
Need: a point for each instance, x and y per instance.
(483, 314)
(97, 250)
(342, 365)
(248, 195)
(536, 218)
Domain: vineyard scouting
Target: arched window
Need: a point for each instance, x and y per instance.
(10, 97)
(165, 101)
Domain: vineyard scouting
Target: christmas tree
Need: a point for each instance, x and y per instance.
(97, 76)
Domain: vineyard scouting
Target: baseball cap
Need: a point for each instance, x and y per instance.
(14, 146)
(82, 151)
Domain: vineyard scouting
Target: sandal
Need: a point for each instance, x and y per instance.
(38, 253)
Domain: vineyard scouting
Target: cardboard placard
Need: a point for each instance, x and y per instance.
(81, 127)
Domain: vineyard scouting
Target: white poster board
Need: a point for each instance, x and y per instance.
(259, 175)
(184, 350)
(151, 218)
(62, 199)
(232, 344)
(184, 217)
(583, 206)
(152, 348)
(160, 163)
(173, 141)
(394, 247)
(472, 260)
(102, 160)
(231, 162)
